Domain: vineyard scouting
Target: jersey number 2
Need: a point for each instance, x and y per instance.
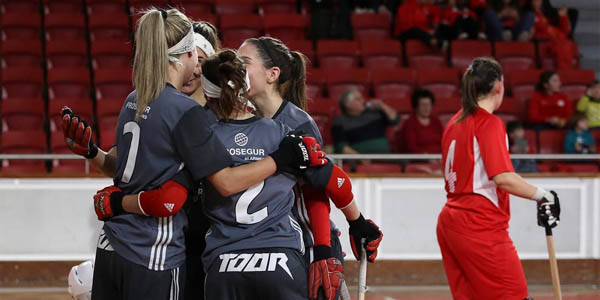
(241, 207)
(134, 129)
(449, 174)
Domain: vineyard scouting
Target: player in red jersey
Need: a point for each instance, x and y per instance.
(479, 257)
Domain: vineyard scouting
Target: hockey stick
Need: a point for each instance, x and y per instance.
(553, 263)
(362, 273)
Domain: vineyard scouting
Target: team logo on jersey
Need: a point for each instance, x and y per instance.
(169, 206)
(340, 182)
(240, 139)
(253, 262)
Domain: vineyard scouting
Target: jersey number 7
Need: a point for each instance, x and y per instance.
(449, 174)
(133, 128)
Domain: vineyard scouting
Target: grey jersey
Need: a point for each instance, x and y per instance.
(261, 216)
(297, 119)
(171, 133)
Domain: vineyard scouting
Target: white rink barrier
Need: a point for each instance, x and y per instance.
(54, 220)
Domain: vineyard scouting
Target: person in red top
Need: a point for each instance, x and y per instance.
(556, 30)
(479, 257)
(421, 132)
(417, 19)
(548, 107)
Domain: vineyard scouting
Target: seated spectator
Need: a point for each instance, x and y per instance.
(579, 139)
(554, 27)
(549, 108)
(422, 132)
(458, 21)
(590, 105)
(417, 19)
(505, 20)
(518, 144)
(361, 127)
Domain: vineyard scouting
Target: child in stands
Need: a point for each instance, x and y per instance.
(579, 139)
(519, 145)
(590, 105)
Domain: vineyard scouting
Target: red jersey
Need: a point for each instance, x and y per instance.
(414, 14)
(542, 29)
(419, 138)
(543, 107)
(473, 152)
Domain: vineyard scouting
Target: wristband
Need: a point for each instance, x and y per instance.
(321, 252)
(93, 152)
(539, 194)
(116, 203)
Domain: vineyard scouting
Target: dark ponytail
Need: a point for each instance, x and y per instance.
(478, 81)
(544, 79)
(227, 70)
(291, 84)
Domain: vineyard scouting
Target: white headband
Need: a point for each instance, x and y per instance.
(185, 45)
(201, 42)
(212, 90)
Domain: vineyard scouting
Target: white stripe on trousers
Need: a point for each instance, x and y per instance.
(174, 284)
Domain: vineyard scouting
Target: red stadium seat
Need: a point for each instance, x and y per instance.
(315, 82)
(393, 82)
(23, 142)
(511, 109)
(522, 83)
(336, 54)
(227, 7)
(20, 26)
(109, 26)
(424, 168)
(108, 114)
(400, 105)
(113, 83)
(104, 7)
(419, 55)
(22, 114)
(111, 54)
(238, 28)
(531, 136)
(514, 56)
(551, 141)
(338, 82)
(464, 51)
(286, 26)
(62, 6)
(66, 53)
(444, 118)
(58, 146)
(267, 7)
(136, 6)
(323, 106)
(82, 107)
(65, 26)
(575, 82)
(22, 82)
(381, 53)
(371, 26)
(447, 105)
(303, 46)
(442, 82)
(379, 168)
(21, 53)
(547, 58)
(324, 124)
(107, 139)
(578, 167)
(19, 6)
(194, 7)
(68, 83)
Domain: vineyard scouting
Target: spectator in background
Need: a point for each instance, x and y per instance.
(422, 132)
(458, 21)
(579, 139)
(548, 107)
(555, 27)
(590, 105)
(519, 144)
(417, 19)
(361, 127)
(505, 20)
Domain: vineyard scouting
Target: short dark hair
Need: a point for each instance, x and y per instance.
(511, 126)
(575, 118)
(421, 93)
(544, 78)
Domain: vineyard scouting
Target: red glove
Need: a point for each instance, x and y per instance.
(78, 135)
(317, 157)
(326, 274)
(368, 230)
(108, 202)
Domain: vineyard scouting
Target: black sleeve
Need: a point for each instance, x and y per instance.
(318, 177)
(200, 149)
(185, 178)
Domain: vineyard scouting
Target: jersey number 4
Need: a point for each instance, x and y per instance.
(449, 173)
(241, 207)
(134, 129)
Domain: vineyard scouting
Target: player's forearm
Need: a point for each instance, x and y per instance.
(514, 184)
(230, 181)
(105, 162)
(130, 204)
(351, 211)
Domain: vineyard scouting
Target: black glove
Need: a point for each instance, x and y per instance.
(548, 210)
(78, 134)
(368, 230)
(298, 152)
